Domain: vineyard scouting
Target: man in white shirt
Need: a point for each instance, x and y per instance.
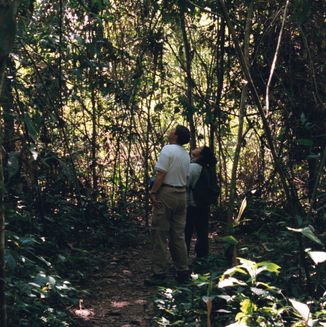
(168, 196)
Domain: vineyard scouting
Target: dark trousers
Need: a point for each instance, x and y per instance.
(197, 221)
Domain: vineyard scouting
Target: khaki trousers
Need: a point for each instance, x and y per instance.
(168, 229)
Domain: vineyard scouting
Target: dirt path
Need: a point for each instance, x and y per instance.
(120, 298)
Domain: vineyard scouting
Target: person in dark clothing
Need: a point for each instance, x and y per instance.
(198, 216)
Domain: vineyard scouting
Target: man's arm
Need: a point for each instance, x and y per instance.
(156, 186)
(158, 181)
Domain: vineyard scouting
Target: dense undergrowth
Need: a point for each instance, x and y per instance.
(87, 92)
(54, 241)
(49, 256)
(272, 283)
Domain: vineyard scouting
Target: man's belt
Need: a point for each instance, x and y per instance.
(173, 186)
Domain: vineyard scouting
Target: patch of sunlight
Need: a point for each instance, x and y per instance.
(120, 304)
(84, 314)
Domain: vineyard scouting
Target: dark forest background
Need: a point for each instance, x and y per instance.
(88, 89)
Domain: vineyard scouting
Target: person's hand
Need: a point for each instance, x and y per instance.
(155, 202)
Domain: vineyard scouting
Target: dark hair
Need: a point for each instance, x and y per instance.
(183, 134)
(207, 157)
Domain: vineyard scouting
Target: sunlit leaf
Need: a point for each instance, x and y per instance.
(266, 285)
(247, 306)
(301, 308)
(52, 280)
(258, 291)
(229, 282)
(249, 265)
(34, 285)
(207, 299)
(34, 154)
(229, 239)
(227, 298)
(233, 270)
(241, 211)
(269, 266)
(317, 256)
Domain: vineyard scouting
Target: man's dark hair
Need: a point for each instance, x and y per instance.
(183, 134)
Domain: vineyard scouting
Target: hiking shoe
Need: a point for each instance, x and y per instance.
(155, 280)
(183, 276)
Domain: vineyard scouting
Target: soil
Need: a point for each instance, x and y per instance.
(119, 297)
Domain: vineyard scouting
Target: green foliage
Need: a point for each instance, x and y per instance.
(92, 91)
(46, 260)
(302, 10)
(35, 293)
(245, 294)
(259, 301)
(183, 306)
(307, 232)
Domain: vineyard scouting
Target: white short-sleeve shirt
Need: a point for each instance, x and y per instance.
(175, 162)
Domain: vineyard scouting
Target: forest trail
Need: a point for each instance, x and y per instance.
(119, 297)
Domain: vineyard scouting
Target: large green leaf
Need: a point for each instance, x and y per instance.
(307, 232)
(229, 239)
(32, 132)
(247, 306)
(241, 211)
(250, 266)
(268, 266)
(229, 282)
(302, 309)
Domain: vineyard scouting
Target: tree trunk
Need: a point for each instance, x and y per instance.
(6, 101)
(189, 80)
(220, 79)
(94, 143)
(131, 106)
(288, 187)
(147, 149)
(8, 10)
(3, 311)
(242, 112)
